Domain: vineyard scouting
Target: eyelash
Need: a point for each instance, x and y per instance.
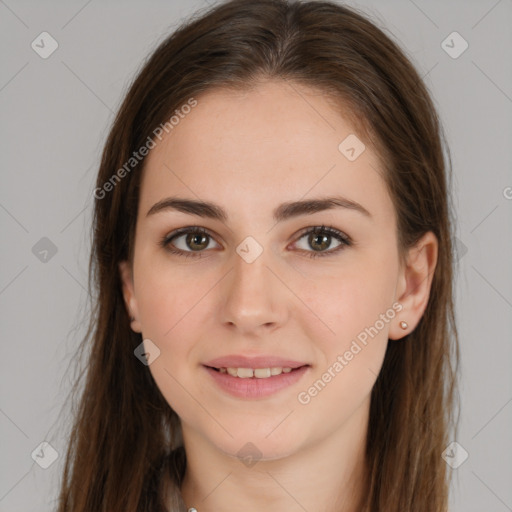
(344, 240)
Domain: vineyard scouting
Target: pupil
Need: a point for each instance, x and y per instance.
(197, 240)
(324, 243)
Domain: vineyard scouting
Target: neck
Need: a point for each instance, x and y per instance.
(326, 476)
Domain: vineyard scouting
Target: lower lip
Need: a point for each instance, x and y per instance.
(254, 387)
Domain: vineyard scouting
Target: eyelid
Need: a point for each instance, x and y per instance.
(344, 240)
(322, 229)
(165, 242)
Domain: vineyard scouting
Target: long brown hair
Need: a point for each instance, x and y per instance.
(126, 437)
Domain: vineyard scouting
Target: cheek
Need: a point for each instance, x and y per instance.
(170, 296)
(349, 299)
(358, 308)
(355, 302)
(170, 310)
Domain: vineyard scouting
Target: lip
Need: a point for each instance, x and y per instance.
(240, 361)
(254, 388)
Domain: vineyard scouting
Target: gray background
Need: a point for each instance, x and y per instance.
(55, 116)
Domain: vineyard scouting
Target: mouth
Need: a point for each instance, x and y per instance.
(246, 382)
(255, 373)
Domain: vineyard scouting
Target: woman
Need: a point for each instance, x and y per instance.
(272, 260)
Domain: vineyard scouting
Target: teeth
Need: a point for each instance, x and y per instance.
(245, 373)
(262, 373)
(259, 373)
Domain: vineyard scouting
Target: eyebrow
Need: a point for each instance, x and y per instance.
(283, 212)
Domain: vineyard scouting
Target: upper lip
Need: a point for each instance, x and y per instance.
(239, 361)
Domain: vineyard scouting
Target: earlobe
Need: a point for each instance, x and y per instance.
(414, 286)
(130, 301)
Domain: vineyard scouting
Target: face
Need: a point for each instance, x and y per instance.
(307, 286)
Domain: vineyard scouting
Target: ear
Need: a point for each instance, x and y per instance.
(130, 301)
(414, 282)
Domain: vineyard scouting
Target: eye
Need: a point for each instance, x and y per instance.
(192, 241)
(320, 239)
(188, 242)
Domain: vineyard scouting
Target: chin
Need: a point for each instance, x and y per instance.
(254, 443)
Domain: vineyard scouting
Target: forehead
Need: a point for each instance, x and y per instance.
(276, 142)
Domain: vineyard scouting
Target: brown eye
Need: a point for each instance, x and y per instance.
(191, 241)
(319, 242)
(320, 238)
(197, 242)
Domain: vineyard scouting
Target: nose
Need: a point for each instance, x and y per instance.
(254, 300)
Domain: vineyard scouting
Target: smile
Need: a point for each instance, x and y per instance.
(258, 373)
(253, 383)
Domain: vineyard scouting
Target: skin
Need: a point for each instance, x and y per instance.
(240, 150)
